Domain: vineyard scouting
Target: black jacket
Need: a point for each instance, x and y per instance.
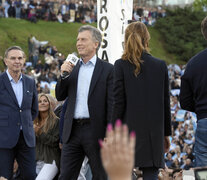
(99, 99)
(143, 104)
(193, 94)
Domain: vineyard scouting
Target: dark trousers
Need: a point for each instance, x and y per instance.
(25, 157)
(150, 173)
(81, 144)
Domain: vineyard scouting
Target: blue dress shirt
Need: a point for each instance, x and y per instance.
(17, 88)
(83, 85)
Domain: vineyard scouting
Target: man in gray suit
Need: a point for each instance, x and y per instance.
(18, 108)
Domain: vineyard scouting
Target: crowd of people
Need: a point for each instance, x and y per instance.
(136, 91)
(148, 15)
(183, 122)
(46, 73)
(183, 126)
(62, 11)
(70, 11)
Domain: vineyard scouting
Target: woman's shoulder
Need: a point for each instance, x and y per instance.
(151, 57)
(57, 120)
(121, 62)
(148, 58)
(55, 124)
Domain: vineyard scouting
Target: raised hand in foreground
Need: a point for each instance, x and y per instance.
(2, 178)
(117, 152)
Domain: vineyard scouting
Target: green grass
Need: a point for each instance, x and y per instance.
(63, 36)
(157, 47)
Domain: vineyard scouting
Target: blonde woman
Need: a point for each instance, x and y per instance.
(46, 127)
(141, 99)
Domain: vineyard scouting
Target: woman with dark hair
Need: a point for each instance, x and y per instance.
(46, 127)
(141, 99)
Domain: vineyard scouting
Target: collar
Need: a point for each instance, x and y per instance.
(10, 77)
(92, 60)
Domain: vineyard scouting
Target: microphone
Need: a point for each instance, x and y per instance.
(73, 59)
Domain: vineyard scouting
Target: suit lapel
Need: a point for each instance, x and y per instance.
(8, 86)
(24, 90)
(75, 74)
(96, 74)
(76, 69)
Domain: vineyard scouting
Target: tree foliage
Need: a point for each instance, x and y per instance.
(200, 5)
(182, 33)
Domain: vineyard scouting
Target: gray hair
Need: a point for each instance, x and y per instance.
(13, 48)
(96, 34)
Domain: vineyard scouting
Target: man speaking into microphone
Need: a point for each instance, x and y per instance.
(88, 86)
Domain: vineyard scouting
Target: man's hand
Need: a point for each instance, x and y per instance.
(66, 67)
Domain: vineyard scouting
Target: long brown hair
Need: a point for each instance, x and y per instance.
(50, 120)
(136, 41)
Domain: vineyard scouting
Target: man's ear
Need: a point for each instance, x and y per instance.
(4, 61)
(96, 44)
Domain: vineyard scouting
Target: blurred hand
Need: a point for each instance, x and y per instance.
(164, 174)
(36, 128)
(60, 145)
(178, 175)
(15, 168)
(2, 178)
(166, 144)
(117, 152)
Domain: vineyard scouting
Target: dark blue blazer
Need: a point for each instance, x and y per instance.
(12, 116)
(100, 98)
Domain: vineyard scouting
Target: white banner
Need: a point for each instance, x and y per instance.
(113, 16)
